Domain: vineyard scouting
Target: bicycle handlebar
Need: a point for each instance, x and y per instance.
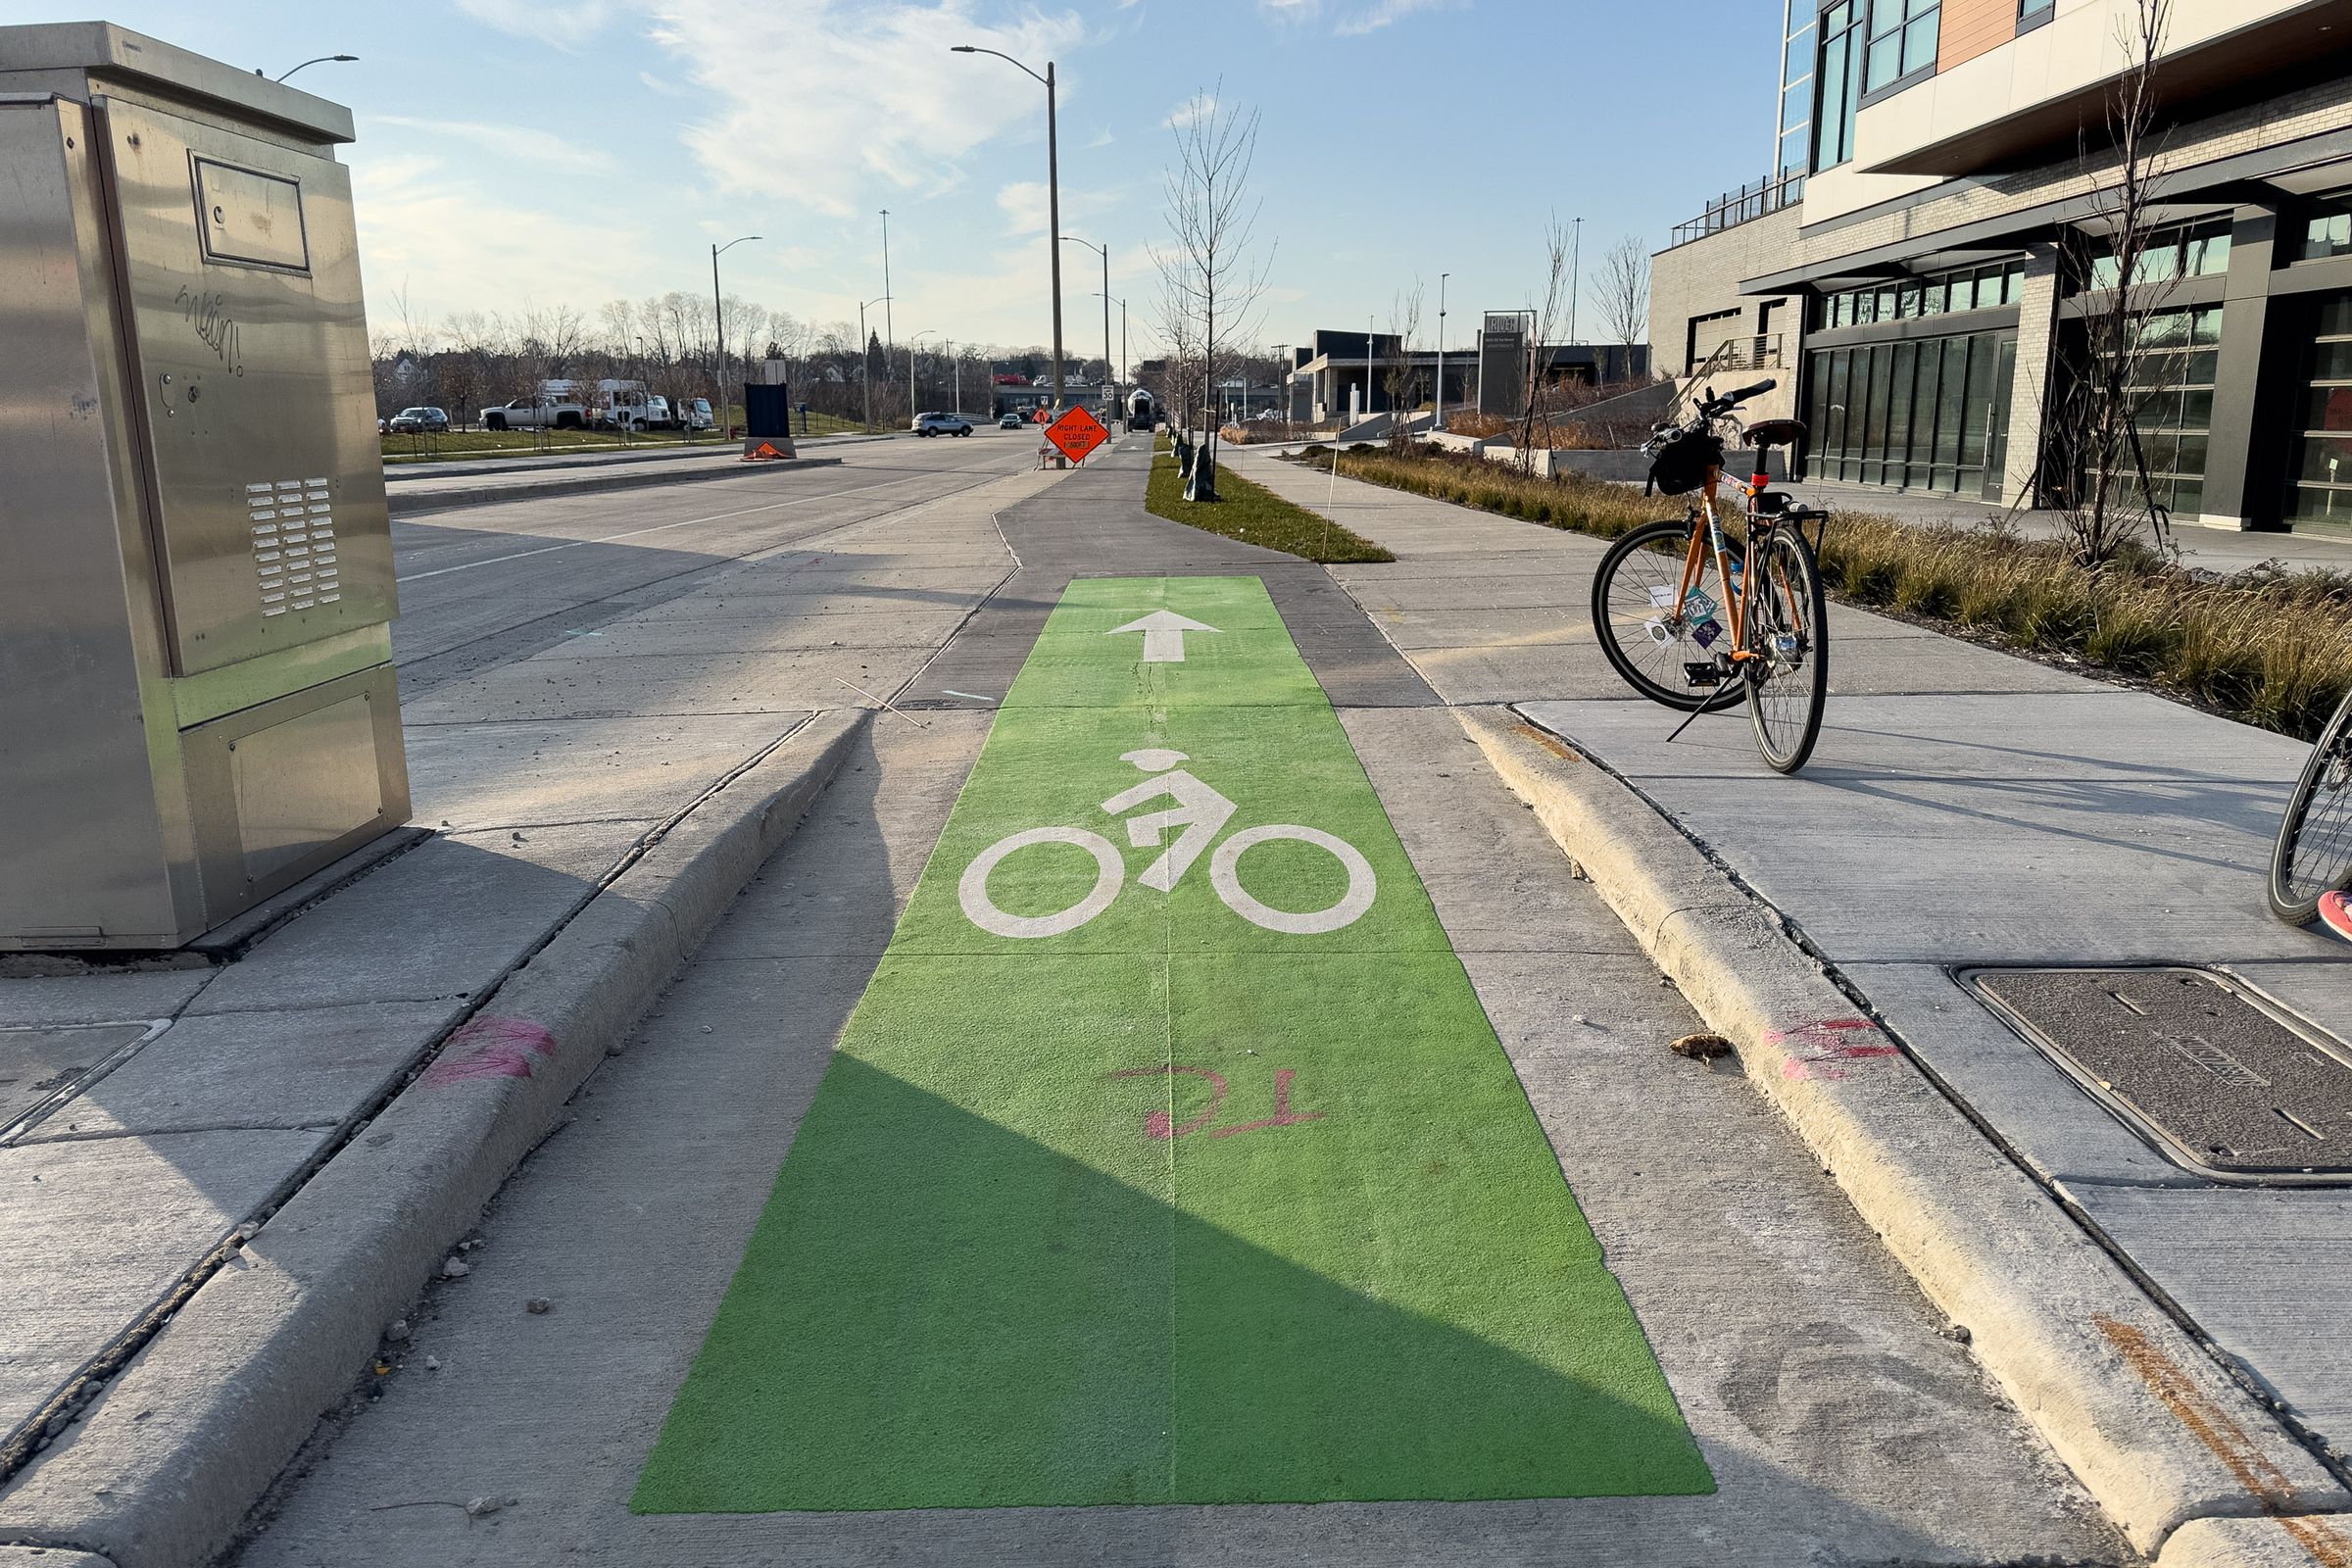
(1714, 406)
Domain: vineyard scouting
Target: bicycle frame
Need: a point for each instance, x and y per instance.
(1707, 534)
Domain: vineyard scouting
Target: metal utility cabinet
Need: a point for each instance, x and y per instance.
(197, 702)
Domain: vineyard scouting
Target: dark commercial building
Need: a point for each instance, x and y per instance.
(1918, 260)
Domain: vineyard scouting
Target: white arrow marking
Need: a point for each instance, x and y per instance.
(1163, 635)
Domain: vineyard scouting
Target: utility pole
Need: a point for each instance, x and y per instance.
(1109, 374)
(1576, 254)
(1052, 203)
(1437, 421)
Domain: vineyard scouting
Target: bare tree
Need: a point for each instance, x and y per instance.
(1621, 290)
(2121, 256)
(1209, 279)
(1539, 352)
(1403, 381)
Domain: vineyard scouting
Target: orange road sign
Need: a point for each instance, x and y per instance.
(1077, 433)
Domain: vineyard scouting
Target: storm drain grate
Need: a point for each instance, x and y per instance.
(43, 1067)
(2217, 1077)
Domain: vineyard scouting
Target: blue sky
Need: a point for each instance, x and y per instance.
(536, 152)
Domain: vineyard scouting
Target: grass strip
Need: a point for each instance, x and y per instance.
(2269, 648)
(454, 445)
(1170, 1207)
(1255, 515)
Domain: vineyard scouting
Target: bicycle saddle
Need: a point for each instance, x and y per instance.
(1775, 433)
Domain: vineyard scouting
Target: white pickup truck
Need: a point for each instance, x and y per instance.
(540, 412)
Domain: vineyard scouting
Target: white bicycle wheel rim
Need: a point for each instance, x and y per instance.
(972, 891)
(1362, 885)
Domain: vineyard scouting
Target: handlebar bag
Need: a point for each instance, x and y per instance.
(1680, 465)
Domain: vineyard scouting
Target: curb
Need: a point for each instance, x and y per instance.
(2155, 1431)
(590, 458)
(2302, 1542)
(160, 1469)
(488, 495)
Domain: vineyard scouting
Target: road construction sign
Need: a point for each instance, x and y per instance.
(1077, 433)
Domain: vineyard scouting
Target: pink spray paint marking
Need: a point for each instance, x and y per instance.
(489, 1047)
(1161, 1125)
(1820, 1049)
(1283, 1116)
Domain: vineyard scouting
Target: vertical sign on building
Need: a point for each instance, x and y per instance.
(1502, 362)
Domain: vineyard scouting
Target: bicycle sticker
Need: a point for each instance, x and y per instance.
(1199, 813)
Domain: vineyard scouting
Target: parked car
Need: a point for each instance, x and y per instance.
(942, 424)
(628, 405)
(545, 410)
(1010, 422)
(693, 414)
(419, 420)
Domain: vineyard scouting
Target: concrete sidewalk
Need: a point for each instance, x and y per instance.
(1842, 1420)
(1965, 807)
(201, 1097)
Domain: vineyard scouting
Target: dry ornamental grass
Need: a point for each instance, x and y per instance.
(2267, 647)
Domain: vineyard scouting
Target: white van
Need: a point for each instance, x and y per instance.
(694, 414)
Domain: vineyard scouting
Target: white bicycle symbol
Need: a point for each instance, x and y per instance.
(1201, 812)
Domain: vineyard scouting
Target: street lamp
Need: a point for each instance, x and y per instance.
(865, 380)
(890, 335)
(718, 317)
(1052, 199)
(320, 61)
(1437, 421)
(1104, 251)
(911, 394)
(1107, 302)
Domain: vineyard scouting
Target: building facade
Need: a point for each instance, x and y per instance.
(1919, 263)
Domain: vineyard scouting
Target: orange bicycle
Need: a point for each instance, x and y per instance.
(1694, 619)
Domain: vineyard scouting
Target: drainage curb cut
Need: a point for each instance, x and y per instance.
(2156, 1432)
(489, 495)
(162, 1467)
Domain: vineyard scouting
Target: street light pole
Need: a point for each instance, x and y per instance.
(1052, 198)
(318, 60)
(890, 336)
(718, 319)
(1438, 421)
(911, 394)
(1109, 374)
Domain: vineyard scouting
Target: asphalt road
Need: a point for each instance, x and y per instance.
(485, 585)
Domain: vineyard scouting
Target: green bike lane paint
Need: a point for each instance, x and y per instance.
(1168, 1157)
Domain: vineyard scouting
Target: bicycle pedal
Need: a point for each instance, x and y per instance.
(1703, 674)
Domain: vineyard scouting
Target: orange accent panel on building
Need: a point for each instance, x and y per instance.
(1972, 27)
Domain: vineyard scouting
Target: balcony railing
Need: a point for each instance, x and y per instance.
(1733, 207)
(1749, 351)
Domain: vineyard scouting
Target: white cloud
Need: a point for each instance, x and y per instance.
(1024, 206)
(554, 25)
(528, 144)
(1103, 138)
(820, 97)
(1199, 107)
(429, 227)
(1351, 18)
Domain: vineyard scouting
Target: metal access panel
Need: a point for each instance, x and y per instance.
(2218, 1077)
(197, 702)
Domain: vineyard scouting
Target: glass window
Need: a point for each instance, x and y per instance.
(2326, 230)
(1903, 39)
(2177, 368)
(1951, 399)
(2027, 10)
(1901, 405)
(1838, 84)
(2320, 475)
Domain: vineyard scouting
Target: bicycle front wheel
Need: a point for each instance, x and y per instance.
(2313, 852)
(1787, 632)
(1651, 633)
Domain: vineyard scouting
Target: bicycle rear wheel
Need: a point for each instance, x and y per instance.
(1645, 629)
(2313, 852)
(1788, 679)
